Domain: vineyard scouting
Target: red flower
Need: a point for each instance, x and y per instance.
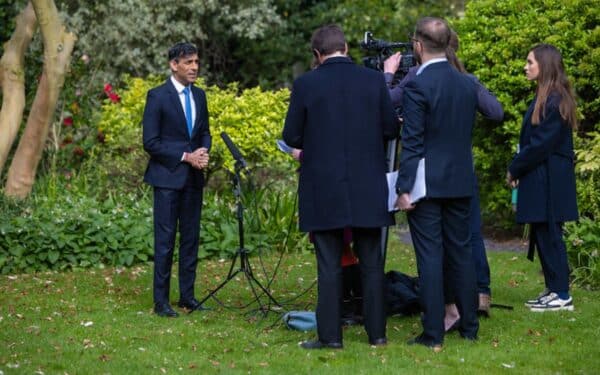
(108, 90)
(115, 98)
(68, 121)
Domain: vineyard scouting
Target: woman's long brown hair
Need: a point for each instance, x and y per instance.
(552, 79)
(451, 52)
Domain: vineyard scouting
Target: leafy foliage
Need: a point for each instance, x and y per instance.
(73, 230)
(583, 247)
(67, 226)
(496, 36)
(105, 31)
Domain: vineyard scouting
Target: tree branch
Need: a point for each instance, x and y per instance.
(12, 80)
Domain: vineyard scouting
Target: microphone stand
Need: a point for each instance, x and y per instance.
(242, 252)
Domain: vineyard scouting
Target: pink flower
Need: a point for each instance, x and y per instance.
(107, 88)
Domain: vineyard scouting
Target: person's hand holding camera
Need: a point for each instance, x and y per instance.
(391, 64)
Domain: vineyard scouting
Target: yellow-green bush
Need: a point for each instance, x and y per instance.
(253, 118)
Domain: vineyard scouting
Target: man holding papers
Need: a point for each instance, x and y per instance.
(440, 105)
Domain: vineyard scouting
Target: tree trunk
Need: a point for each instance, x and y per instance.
(58, 46)
(12, 80)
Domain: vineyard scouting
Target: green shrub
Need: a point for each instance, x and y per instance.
(270, 222)
(74, 230)
(588, 174)
(65, 226)
(583, 247)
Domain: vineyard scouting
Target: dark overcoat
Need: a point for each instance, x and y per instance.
(545, 168)
(339, 115)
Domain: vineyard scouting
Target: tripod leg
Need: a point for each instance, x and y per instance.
(214, 291)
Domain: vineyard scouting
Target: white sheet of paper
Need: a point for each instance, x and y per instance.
(418, 191)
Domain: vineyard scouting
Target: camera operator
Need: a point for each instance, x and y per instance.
(489, 106)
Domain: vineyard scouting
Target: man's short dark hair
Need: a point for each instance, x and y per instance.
(433, 33)
(328, 39)
(181, 50)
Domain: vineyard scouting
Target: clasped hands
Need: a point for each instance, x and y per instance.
(198, 159)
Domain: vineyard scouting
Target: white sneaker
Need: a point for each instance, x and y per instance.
(552, 302)
(537, 300)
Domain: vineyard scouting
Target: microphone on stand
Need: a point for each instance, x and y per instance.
(235, 152)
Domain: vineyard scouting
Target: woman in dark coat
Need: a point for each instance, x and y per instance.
(543, 170)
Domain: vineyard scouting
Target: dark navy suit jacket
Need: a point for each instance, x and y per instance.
(440, 106)
(339, 114)
(545, 168)
(166, 137)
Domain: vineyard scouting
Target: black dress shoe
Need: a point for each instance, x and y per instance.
(421, 340)
(164, 309)
(382, 341)
(192, 305)
(316, 344)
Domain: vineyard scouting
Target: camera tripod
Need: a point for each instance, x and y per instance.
(242, 252)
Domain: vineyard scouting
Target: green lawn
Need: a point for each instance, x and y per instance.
(100, 321)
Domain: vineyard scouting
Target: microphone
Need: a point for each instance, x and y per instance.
(237, 155)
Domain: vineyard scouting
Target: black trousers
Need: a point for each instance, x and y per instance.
(441, 236)
(173, 208)
(553, 255)
(329, 245)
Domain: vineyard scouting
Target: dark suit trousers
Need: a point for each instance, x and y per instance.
(441, 236)
(553, 255)
(329, 246)
(173, 207)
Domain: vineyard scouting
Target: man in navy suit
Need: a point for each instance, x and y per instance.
(440, 105)
(339, 115)
(177, 138)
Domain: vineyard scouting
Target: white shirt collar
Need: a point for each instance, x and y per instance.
(178, 86)
(432, 61)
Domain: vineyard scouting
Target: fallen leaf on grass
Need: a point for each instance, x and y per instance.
(192, 366)
(263, 364)
(508, 365)
(87, 324)
(533, 332)
(214, 363)
(104, 358)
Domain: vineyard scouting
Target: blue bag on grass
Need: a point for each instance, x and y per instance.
(300, 320)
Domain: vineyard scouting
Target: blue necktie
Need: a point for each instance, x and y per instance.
(188, 110)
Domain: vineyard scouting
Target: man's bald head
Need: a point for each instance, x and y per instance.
(433, 33)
